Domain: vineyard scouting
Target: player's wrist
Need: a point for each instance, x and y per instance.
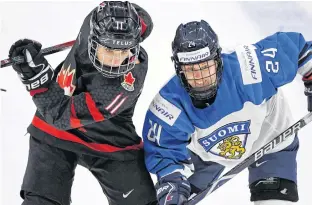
(169, 170)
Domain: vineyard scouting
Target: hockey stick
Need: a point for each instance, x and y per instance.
(45, 51)
(251, 159)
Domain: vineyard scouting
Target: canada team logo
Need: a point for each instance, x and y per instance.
(66, 80)
(228, 141)
(128, 82)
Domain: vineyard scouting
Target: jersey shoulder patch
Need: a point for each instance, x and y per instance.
(249, 64)
(164, 110)
(66, 79)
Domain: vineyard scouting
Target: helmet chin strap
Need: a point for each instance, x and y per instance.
(198, 103)
(204, 93)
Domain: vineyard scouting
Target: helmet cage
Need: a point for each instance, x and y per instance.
(116, 27)
(204, 92)
(112, 71)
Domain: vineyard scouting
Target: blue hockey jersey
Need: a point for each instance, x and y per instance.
(248, 110)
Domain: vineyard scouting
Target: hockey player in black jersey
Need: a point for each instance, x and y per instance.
(85, 108)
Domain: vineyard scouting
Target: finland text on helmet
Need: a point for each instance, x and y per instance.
(113, 43)
(197, 59)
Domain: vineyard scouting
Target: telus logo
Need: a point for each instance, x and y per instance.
(117, 42)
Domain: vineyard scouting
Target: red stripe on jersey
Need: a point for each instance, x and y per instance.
(37, 91)
(96, 114)
(74, 121)
(63, 135)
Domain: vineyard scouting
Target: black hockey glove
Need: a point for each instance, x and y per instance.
(173, 189)
(307, 80)
(35, 73)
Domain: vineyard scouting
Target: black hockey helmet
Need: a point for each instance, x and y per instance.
(116, 26)
(195, 43)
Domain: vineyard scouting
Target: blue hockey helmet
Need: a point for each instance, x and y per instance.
(197, 59)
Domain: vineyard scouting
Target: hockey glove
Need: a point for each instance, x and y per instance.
(173, 189)
(307, 80)
(35, 73)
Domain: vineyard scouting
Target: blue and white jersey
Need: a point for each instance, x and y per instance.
(248, 111)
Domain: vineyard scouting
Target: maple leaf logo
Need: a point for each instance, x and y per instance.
(129, 79)
(128, 82)
(65, 79)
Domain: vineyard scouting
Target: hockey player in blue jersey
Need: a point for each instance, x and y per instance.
(220, 108)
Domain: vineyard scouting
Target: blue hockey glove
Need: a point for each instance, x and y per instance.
(173, 189)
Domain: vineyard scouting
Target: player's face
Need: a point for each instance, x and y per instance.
(109, 57)
(201, 74)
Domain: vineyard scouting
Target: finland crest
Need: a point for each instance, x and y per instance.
(228, 141)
